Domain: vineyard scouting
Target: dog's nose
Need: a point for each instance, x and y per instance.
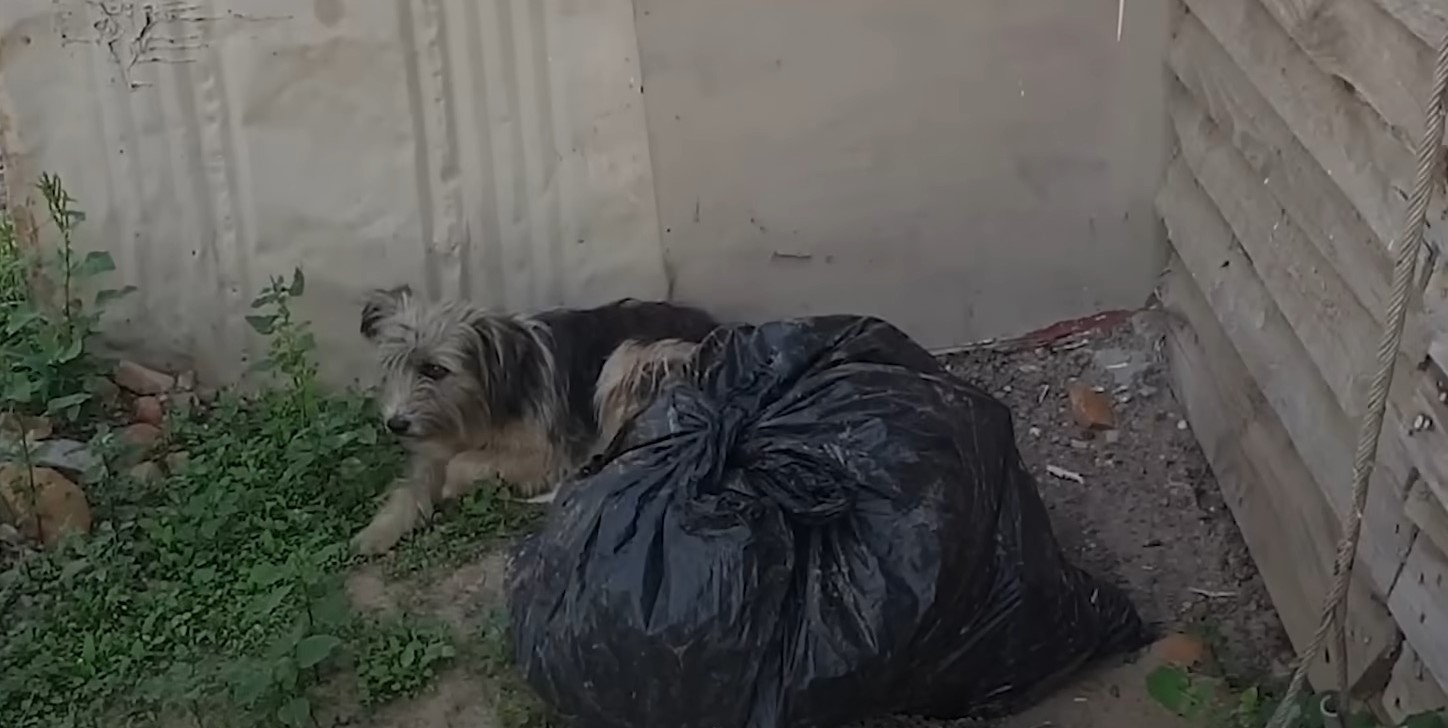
(398, 425)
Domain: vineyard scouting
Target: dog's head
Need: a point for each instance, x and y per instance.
(443, 365)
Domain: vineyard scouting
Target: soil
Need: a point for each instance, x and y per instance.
(1146, 515)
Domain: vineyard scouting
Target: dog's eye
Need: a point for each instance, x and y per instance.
(433, 371)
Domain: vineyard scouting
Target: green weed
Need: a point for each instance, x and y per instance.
(457, 536)
(216, 593)
(1212, 703)
(514, 703)
(44, 334)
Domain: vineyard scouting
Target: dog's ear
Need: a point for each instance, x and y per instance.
(380, 303)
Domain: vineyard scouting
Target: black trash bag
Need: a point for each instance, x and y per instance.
(822, 525)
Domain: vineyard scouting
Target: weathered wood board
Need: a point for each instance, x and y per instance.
(1411, 689)
(1347, 136)
(1265, 483)
(1338, 333)
(1286, 169)
(1427, 19)
(1424, 427)
(1281, 367)
(1419, 603)
(1426, 511)
(1358, 42)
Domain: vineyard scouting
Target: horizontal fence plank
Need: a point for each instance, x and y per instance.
(1265, 483)
(1361, 44)
(1280, 365)
(1284, 166)
(1427, 19)
(1338, 333)
(1411, 689)
(1348, 137)
(1425, 509)
(1419, 603)
(1423, 428)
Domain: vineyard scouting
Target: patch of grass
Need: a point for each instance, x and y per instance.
(218, 591)
(44, 325)
(463, 530)
(400, 658)
(1212, 703)
(514, 703)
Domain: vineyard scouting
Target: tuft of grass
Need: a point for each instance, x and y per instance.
(217, 592)
(478, 521)
(45, 327)
(1211, 702)
(400, 657)
(514, 704)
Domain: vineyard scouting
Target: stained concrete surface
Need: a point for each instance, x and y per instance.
(965, 169)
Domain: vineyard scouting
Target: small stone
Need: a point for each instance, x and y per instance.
(1091, 409)
(141, 435)
(1113, 437)
(46, 511)
(71, 458)
(206, 395)
(148, 410)
(1080, 445)
(1181, 650)
(1146, 392)
(186, 381)
(137, 379)
(147, 472)
(1182, 425)
(1035, 431)
(177, 461)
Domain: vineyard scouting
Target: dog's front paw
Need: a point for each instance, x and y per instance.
(375, 540)
(385, 530)
(464, 472)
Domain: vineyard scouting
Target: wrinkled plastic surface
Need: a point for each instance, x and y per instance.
(822, 526)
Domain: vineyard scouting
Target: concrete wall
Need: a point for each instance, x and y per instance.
(967, 168)
(963, 167)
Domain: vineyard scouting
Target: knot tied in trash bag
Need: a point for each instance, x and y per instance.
(816, 525)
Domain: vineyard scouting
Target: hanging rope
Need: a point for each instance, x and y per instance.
(1334, 609)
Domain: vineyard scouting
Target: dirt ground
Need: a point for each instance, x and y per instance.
(1149, 514)
(1146, 514)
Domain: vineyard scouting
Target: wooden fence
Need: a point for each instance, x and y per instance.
(1295, 124)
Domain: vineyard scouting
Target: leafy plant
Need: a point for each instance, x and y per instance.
(217, 592)
(1211, 702)
(400, 658)
(43, 341)
(291, 341)
(481, 518)
(515, 704)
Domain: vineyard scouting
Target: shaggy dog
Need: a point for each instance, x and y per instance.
(473, 394)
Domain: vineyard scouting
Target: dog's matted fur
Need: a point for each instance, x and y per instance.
(474, 394)
(632, 377)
